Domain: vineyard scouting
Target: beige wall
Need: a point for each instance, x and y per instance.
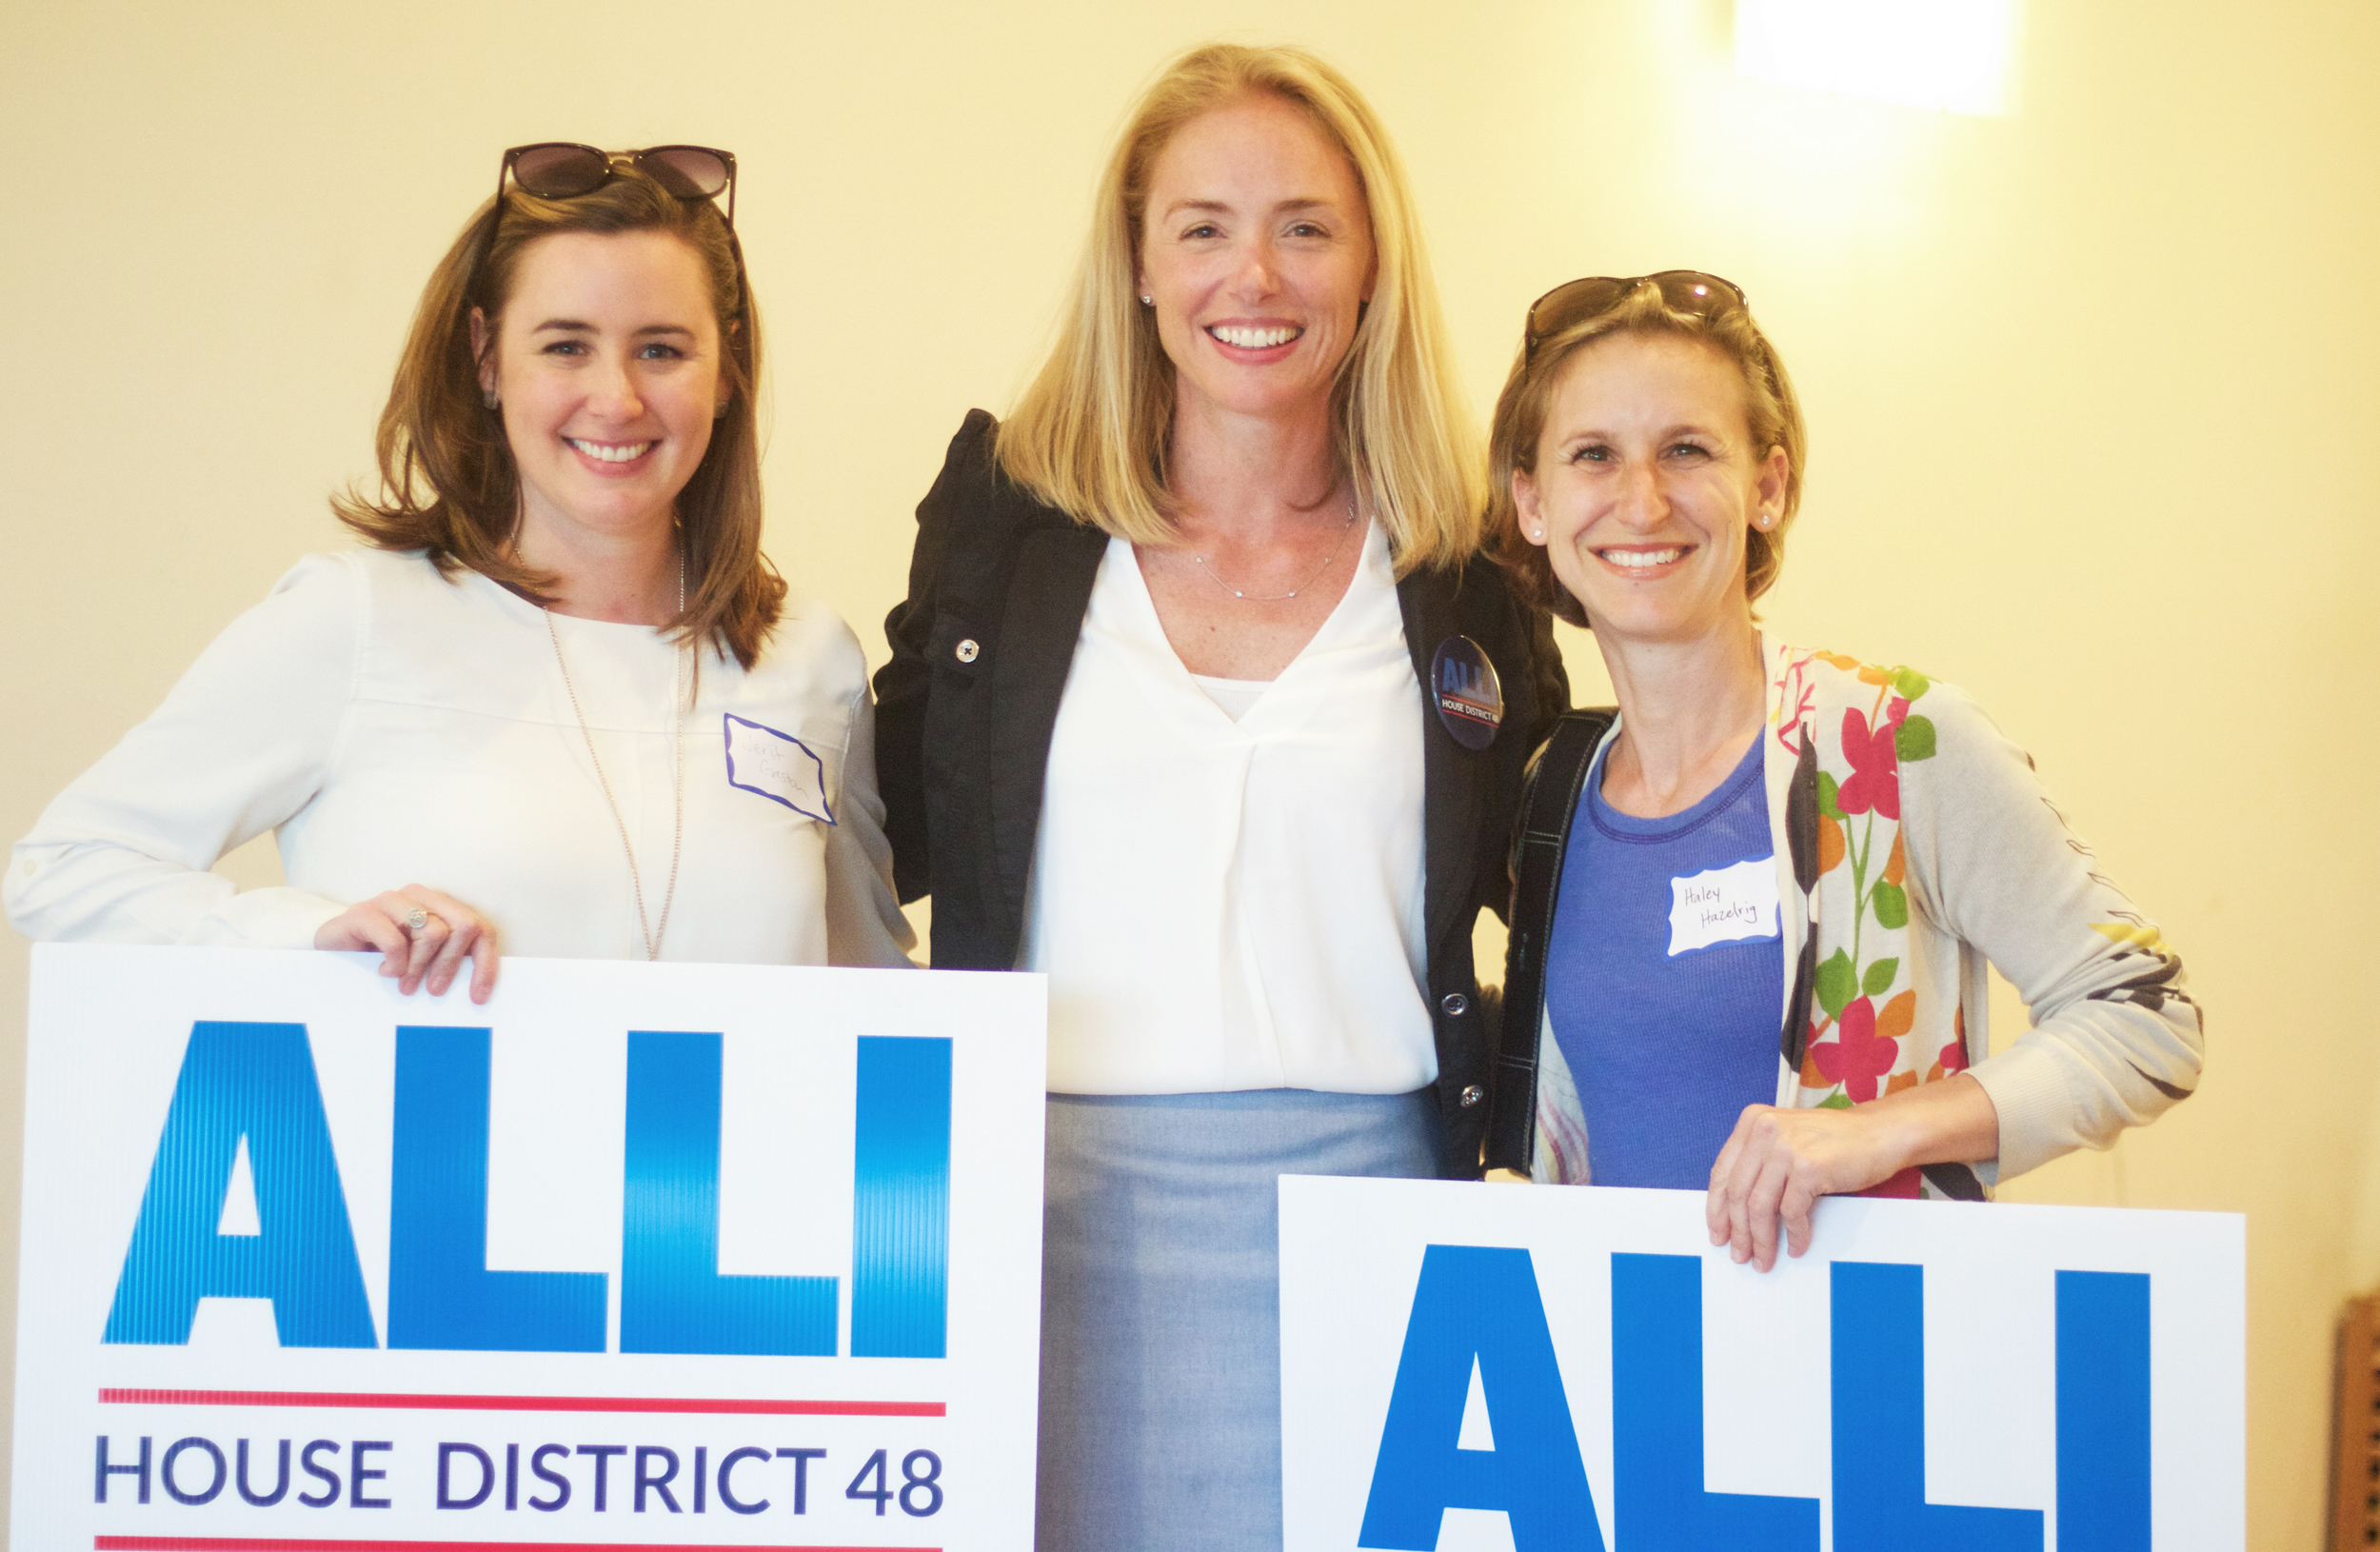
(2092, 393)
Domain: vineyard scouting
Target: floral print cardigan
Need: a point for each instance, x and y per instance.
(1916, 849)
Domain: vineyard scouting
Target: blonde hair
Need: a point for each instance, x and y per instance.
(1772, 417)
(1089, 436)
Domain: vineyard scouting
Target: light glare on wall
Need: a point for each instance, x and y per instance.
(1959, 56)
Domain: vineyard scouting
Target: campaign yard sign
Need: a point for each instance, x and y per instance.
(652, 1255)
(1549, 1369)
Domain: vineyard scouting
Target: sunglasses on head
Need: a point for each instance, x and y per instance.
(1572, 304)
(560, 170)
(565, 169)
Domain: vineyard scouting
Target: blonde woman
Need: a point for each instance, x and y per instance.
(1204, 704)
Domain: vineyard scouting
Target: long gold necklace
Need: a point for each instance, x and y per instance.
(653, 930)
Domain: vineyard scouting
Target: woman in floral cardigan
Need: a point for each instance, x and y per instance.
(1766, 827)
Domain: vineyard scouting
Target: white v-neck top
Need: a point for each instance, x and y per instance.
(1234, 902)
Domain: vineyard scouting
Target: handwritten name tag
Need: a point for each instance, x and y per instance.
(1722, 904)
(777, 766)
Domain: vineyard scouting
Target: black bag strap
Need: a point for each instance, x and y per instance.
(1558, 773)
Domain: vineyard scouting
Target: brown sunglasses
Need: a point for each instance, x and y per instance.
(565, 169)
(1572, 303)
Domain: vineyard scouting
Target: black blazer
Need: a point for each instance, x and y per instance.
(980, 648)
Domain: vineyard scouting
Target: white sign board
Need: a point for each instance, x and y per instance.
(663, 1255)
(1551, 1370)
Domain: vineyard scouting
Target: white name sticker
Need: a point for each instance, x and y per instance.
(778, 768)
(1722, 904)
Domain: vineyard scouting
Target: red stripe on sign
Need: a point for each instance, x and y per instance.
(309, 1543)
(373, 1401)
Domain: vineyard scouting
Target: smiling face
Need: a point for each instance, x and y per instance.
(1256, 251)
(606, 363)
(1645, 485)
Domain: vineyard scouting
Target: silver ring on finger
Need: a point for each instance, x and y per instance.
(416, 918)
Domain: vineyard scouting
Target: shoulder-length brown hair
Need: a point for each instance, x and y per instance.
(448, 486)
(1772, 417)
(1089, 435)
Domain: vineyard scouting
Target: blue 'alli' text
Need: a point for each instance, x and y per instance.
(1479, 1305)
(257, 1082)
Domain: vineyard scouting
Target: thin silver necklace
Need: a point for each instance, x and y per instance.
(1328, 561)
(653, 930)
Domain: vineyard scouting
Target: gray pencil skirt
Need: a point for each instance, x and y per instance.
(1161, 1304)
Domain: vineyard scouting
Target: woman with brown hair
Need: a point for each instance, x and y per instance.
(1756, 912)
(560, 680)
(1204, 704)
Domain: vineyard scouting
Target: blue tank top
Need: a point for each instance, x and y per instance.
(1665, 977)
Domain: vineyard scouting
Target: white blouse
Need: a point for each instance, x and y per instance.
(395, 728)
(1231, 899)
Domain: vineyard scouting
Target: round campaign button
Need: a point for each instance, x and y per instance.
(1469, 697)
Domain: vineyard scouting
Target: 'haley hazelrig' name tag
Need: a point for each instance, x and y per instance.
(1723, 902)
(776, 765)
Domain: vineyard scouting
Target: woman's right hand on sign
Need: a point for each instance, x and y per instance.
(422, 935)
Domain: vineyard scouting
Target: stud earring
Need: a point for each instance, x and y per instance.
(1148, 301)
(490, 397)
